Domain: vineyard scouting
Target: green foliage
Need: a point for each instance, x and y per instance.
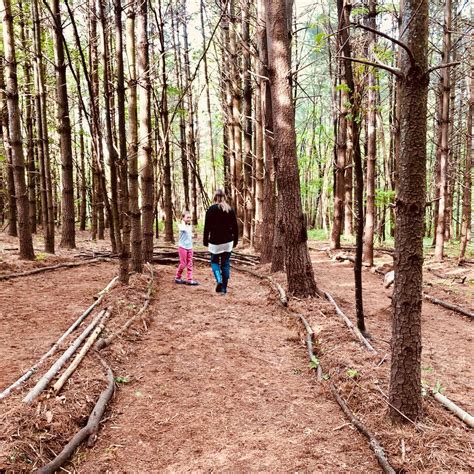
(438, 388)
(314, 364)
(384, 198)
(40, 257)
(352, 373)
(122, 379)
(343, 87)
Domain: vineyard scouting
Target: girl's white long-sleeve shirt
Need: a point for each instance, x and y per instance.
(185, 236)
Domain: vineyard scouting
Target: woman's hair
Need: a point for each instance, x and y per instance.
(220, 199)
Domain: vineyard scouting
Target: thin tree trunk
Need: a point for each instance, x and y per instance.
(444, 145)
(467, 181)
(144, 133)
(368, 248)
(42, 130)
(28, 124)
(135, 214)
(168, 204)
(12, 222)
(208, 97)
(14, 136)
(247, 121)
(68, 239)
(405, 377)
(269, 195)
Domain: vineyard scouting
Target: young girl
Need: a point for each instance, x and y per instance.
(185, 250)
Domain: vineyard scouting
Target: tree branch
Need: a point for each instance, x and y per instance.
(442, 65)
(390, 38)
(393, 70)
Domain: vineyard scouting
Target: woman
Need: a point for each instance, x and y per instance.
(221, 235)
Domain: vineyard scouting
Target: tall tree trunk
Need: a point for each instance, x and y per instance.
(111, 149)
(144, 133)
(444, 125)
(14, 136)
(340, 164)
(208, 96)
(83, 179)
(175, 25)
(28, 124)
(368, 249)
(168, 204)
(405, 376)
(236, 123)
(189, 105)
(135, 214)
(344, 9)
(247, 122)
(467, 181)
(68, 232)
(12, 222)
(42, 131)
(299, 269)
(269, 195)
(122, 158)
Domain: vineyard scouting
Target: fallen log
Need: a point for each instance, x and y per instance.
(49, 268)
(373, 442)
(56, 367)
(104, 342)
(447, 305)
(58, 343)
(349, 324)
(89, 431)
(80, 355)
(452, 407)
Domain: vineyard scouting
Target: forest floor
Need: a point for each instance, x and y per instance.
(222, 383)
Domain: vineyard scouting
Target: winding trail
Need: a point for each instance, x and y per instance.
(221, 383)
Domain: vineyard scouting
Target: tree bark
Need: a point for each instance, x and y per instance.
(68, 232)
(467, 181)
(12, 221)
(368, 249)
(135, 214)
(122, 158)
(444, 126)
(42, 131)
(15, 140)
(299, 269)
(405, 376)
(165, 125)
(144, 133)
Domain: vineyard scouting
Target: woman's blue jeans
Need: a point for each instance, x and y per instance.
(220, 264)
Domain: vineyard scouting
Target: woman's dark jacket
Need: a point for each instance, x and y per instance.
(220, 227)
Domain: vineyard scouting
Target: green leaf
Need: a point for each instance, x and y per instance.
(314, 362)
(352, 373)
(121, 379)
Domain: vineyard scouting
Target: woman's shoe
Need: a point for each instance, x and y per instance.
(219, 288)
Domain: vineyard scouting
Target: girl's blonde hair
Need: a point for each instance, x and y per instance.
(220, 199)
(185, 213)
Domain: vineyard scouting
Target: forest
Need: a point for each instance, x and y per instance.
(341, 135)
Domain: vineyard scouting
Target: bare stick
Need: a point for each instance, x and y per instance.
(58, 343)
(48, 268)
(89, 431)
(56, 367)
(459, 412)
(349, 324)
(101, 343)
(309, 346)
(450, 306)
(80, 355)
(373, 442)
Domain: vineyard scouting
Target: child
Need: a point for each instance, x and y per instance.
(185, 250)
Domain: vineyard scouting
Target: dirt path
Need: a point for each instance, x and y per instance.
(36, 310)
(447, 337)
(222, 384)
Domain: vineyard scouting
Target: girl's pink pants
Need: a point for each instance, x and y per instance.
(185, 261)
